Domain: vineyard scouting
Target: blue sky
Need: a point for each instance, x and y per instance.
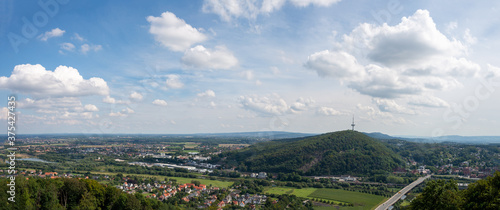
(421, 68)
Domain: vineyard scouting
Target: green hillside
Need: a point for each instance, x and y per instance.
(337, 153)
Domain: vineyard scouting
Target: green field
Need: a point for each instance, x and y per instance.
(363, 200)
(181, 180)
(360, 200)
(304, 192)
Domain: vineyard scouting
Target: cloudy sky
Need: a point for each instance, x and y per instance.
(421, 68)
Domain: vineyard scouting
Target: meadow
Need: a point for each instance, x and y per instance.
(360, 200)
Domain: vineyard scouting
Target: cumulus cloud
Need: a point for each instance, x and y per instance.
(386, 105)
(61, 110)
(122, 113)
(301, 104)
(86, 48)
(323, 3)
(110, 100)
(274, 105)
(327, 111)
(56, 32)
(173, 32)
(373, 114)
(38, 82)
(201, 57)
(67, 46)
(160, 102)
(174, 82)
(428, 101)
(4, 113)
(334, 64)
(230, 9)
(135, 96)
(207, 93)
(266, 105)
(91, 108)
(411, 58)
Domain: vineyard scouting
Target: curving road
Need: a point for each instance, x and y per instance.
(400, 194)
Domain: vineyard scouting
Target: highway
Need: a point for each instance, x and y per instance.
(400, 194)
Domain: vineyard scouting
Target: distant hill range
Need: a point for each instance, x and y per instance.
(337, 153)
(442, 139)
(274, 135)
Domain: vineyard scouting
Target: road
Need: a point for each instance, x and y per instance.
(400, 194)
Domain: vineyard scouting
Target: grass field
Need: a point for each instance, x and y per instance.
(234, 145)
(181, 180)
(363, 200)
(190, 150)
(304, 192)
(360, 200)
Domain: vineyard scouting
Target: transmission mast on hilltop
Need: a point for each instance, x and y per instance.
(353, 123)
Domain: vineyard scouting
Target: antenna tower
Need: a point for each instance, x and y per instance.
(353, 123)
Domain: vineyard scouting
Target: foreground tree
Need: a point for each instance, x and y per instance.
(438, 194)
(483, 194)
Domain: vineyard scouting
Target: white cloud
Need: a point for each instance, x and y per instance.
(174, 82)
(301, 105)
(248, 75)
(207, 93)
(86, 48)
(78, 37)
(391, 106)
(173, 32)
(122, 113)
(412, 41)
(229, 9)
(63, 81)
(160, 102)
(334, 64)
(4, 113)
(410, 58)
(67, 46)
(269, 6)
(267, 105)
(56, 32)
(135, 96)
(63, 110)
(201, 57)
(305, 3)
(327, 111)
(110, 100)
(91, 108)
(117, 114)
(428, 101)
(469, 39)
(128, 110)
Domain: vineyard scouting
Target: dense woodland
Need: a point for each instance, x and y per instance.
(441, 194)
(344, 152)
(71, 193)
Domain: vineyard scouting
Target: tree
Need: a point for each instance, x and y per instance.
(438, 194)
(483, 194)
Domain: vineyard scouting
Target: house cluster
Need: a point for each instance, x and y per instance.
(466, 171)
(163, 191)
(247, 200)
(163, 165)
(260, 175)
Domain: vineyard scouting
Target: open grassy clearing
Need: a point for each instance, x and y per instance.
(234, 145)
(360, 200)
(304, 192)
(181, 180)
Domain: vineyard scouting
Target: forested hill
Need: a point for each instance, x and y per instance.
(337, 153)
